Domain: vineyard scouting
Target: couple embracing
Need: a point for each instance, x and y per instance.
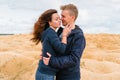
(61, 49)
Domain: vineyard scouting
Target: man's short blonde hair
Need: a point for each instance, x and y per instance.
(72, 8)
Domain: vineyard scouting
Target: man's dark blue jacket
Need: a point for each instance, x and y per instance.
(69, 63)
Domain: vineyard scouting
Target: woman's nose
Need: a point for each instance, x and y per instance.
(59, 19)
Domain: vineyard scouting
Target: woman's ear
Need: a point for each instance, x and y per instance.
(50, 23)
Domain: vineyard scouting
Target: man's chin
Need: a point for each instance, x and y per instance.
(64, 24)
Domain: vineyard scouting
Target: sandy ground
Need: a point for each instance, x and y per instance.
(100, 61)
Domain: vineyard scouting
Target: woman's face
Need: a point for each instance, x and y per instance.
(55, 22)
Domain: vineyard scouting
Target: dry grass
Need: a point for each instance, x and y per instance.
(100, 61)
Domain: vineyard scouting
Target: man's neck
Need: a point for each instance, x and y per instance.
(73, 25)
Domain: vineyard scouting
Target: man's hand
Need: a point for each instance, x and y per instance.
(47, 59)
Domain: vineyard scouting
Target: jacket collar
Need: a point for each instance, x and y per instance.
(74, 31)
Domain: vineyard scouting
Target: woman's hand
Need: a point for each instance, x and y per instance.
(47, 59)
(66, 30)
(65, 33)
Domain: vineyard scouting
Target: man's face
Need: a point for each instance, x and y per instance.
(65, 17)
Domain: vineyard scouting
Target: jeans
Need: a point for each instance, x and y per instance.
(68, 79)
(41, 76)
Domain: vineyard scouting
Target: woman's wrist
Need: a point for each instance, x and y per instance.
(64, 40)
(64, 35)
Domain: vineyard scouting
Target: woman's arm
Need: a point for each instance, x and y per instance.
(59, 46)
(56, 43)
(65, 33)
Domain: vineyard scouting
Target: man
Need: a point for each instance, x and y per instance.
(69, 63)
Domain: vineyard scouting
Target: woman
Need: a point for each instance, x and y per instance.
(69, 63)
(44, 31)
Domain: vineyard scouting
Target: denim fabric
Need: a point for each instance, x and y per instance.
(68, 79)
(41, 76)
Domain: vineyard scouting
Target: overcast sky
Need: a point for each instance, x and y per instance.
(95, 16)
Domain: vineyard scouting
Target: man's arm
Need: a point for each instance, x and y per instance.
(72, 58)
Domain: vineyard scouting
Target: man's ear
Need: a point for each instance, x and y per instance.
(73, 17)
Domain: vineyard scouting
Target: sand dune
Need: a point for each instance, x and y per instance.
(100, 61)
